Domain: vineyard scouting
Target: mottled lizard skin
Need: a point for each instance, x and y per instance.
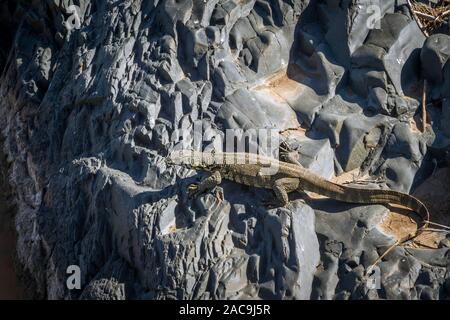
(283, 177)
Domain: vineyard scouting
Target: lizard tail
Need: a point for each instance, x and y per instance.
(388, 196)
(392, 197)
(372, 196)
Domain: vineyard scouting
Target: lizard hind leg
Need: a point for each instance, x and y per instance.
(282, 187)
(207, 184)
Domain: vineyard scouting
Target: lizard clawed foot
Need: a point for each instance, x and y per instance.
(219, 195)
(193, 190)
(289, 155)
(285, 147)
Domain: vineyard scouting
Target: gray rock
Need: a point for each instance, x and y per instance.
(359, 137)
(314, 154)
(348, 27)
(404, 153)
(242, 110)
(338, 275)
(403, 57)
(306, 246)
(389, 55)
(89, 115)
(330, 119)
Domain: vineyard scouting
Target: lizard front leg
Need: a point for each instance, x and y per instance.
(282, 187)
(209, 183)
(287, 154)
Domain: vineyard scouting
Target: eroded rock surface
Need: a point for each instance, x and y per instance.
(88, 116)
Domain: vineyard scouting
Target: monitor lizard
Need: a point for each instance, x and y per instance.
(257, 171)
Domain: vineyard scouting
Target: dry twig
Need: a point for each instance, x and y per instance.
(429, 17)
(424, 106)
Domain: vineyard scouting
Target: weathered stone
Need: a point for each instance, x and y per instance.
(434, 55)
(358, 137)
(89, 115)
